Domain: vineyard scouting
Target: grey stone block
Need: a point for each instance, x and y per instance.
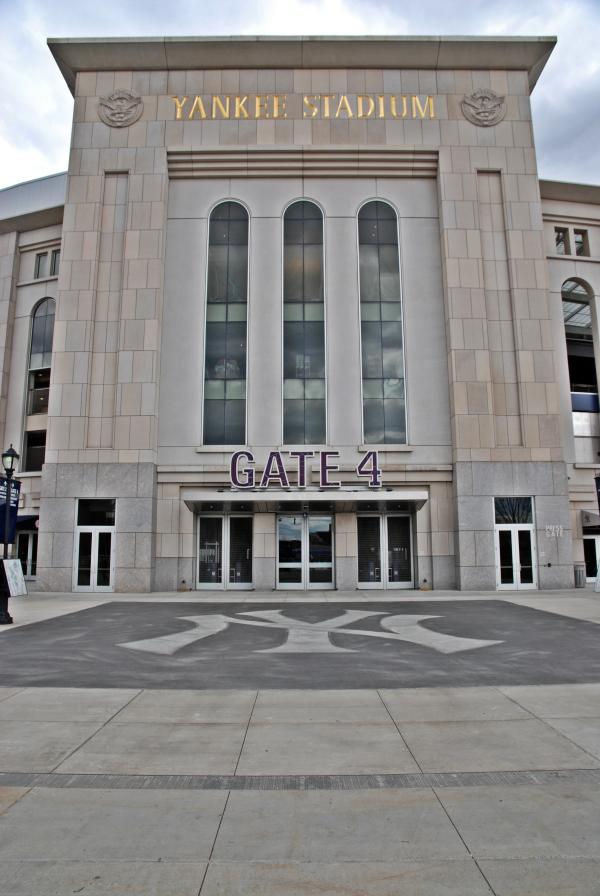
(346, 573)
(264, 573)
(117, 480)
(125, 549)
(484, 548)
(69, 480)
(444, 572)
(463, 475)
(146, 480)
(57, 515)
(475, 512)
(424, 572)
(135, 581)
(135, 514)
(493, 478)
(556, 577)
(466, 547)
(62, 550)
(144, 549)
(472, 578)
(185, 572)
(165, 574)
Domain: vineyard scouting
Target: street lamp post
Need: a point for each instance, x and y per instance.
(9, 460)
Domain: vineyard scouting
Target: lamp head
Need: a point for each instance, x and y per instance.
(9, 460)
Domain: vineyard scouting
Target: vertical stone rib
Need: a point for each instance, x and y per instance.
(506, 401)
(107, 314)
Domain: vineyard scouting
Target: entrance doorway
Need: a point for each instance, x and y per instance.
(94, 560)
(224, 552)
(516, 561)
(591, 553)
(305, 552)
(385, 551)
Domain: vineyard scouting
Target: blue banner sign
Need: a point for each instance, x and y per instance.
(15, 491)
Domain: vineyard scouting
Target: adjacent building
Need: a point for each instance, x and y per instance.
(301, 315)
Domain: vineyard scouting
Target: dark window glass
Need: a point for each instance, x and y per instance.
(589, 553)
(225, 354)
(577, 316)
(507, 570)
(384, 413)
(55, 262)
(35, 450)
(42, 330)
(96, 512)
(27, 552)
(240, 550)
(581, 242)
(39, 389)
(561, 238)
(41, 265)
(84, 563)
(369, 548)
(513, 510)
(304, 326)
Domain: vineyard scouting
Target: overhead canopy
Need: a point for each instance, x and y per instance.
(340, 500)
(590, 519)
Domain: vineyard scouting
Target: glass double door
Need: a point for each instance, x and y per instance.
(516, 566)
(385, 551)
(94, 565)
(305, 551)
(224, 552)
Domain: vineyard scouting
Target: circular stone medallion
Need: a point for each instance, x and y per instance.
(484, 108)
(120, 109)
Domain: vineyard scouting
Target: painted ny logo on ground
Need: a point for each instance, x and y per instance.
(311, 637)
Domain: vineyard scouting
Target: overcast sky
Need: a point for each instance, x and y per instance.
(36, 106)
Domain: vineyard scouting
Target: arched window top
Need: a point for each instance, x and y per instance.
(379, 259)
(42, 330)
(576, 295)
(228, 254)
(377, 208)
(576, 289)
(303, 209)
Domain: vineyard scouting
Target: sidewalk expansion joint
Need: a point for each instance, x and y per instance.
(299, 782)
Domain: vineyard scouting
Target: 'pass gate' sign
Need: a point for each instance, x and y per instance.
(242, 472)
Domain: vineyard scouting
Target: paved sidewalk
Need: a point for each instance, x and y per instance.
(430, 791)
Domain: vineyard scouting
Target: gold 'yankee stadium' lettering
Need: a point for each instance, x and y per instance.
(329, 105)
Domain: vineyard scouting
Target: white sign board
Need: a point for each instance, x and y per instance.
(14, 577)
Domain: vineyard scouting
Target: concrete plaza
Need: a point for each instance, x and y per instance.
(435, 789)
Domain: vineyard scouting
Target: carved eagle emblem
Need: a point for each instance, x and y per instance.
(120, 109)
(484, 108)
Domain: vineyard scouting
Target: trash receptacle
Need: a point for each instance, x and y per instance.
(580, 575)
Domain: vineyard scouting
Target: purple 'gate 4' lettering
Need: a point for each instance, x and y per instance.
(369, 467)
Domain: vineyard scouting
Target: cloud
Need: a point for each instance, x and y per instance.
(36, 107)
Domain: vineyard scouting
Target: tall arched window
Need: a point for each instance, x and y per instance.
(577, 316)
(38, 387)
(303, 326)
(384, 410)
(226, 326)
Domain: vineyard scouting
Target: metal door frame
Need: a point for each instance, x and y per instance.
(385, 584)
(224, 584)
(305, 565)
(514, 529)
(95, 532)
